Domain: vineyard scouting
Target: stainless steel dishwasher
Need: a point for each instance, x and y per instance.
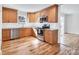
(14, 33)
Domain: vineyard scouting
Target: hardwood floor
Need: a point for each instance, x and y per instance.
(72, 40)
(28, 46)
(33, 46)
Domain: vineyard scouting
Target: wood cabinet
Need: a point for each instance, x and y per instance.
(53, 14)
(37, 16)
(31, 17)
(9, 15)
(44, 12)
(25, 32)
(51, 36)
(6, 34)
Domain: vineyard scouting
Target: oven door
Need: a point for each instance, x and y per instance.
(40, 31)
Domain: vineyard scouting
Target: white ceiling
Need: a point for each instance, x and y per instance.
(27, 7)
(69, 8)
(64, 8)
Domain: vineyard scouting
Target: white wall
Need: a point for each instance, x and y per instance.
(65, 22)
(60, 25)
(24, 14)
(72, 23)
(70, 8)
(71, 18)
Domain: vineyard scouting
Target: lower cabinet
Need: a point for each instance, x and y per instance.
(6, 34)
(25, 32)
(51, 36)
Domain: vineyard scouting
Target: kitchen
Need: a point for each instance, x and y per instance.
(41, 23)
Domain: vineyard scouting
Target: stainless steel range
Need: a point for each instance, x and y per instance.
(40, 31)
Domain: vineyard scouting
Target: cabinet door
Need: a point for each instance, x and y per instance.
(44, 12)
(53, 14)
(9, 15)
(51, 36)
(25, 32)
(48, 36)
(37, 15)
(31, 17)
(55, 36)
(5, 15)
(6, 34)
(22, 32)
(28, 32)
(13, 16)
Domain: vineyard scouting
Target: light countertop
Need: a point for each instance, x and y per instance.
(17, 26)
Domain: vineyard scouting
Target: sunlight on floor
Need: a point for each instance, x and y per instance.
(35, 43)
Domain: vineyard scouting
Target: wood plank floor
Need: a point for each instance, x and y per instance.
(33, 46)
(28, 46)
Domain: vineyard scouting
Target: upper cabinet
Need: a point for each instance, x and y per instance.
(44, 12)
(49, 15)
(37, 16)
(9, 15)
(33, 17)
(53, 14)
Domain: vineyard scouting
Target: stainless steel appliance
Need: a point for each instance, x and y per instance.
(43, 19)
(40, 31)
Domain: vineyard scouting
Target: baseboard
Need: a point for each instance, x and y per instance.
(72, 33)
